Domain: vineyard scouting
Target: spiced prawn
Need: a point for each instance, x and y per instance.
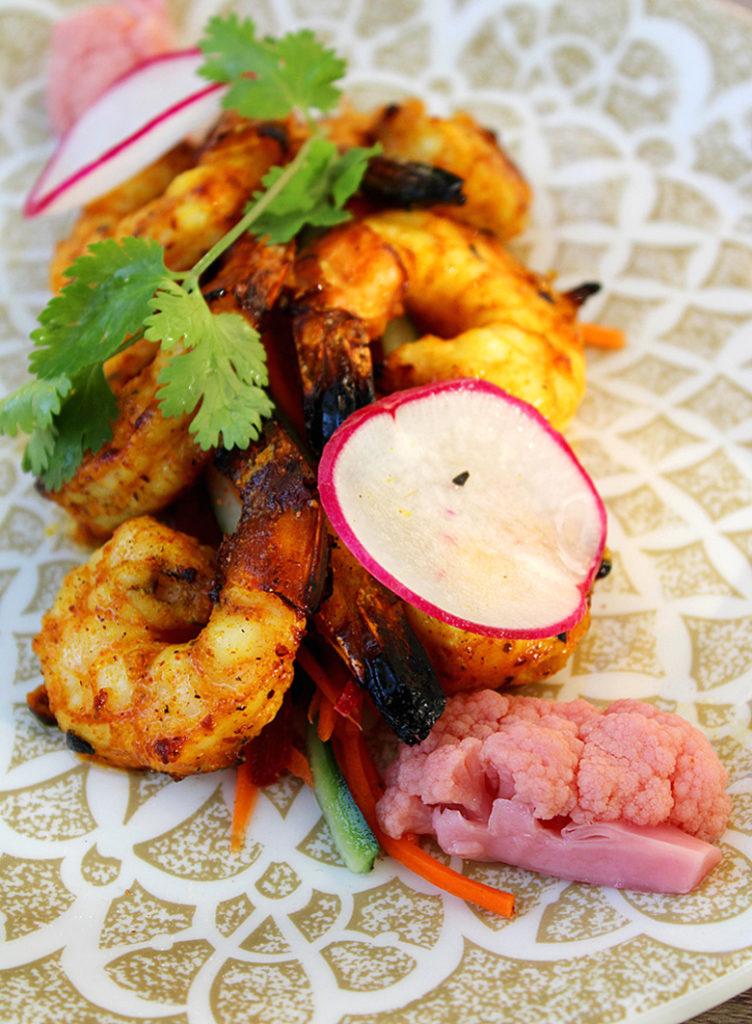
(154, 655)
(334, 296)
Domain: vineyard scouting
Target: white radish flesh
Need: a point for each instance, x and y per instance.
(466, 503)
(136, 120)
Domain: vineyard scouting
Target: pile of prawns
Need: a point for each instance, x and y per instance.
(167, 652)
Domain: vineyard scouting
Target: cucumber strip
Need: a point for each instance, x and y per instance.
(355, 842)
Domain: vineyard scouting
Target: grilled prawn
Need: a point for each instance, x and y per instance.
(151, 459)
(366, 625)
(144, 668)
(468, 661)
(497, 197)
(407, 269)
(346, 286)
(490, 316)
(196, 206)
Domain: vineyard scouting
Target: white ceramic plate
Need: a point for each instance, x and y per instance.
(119, 898)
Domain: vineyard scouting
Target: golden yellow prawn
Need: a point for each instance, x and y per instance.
(489, 315)
(468, 661)
(497, 197)
(145, 668)
(193, 202)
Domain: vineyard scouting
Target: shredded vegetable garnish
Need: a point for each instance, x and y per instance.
(601, 336)
(363, 779)
(364, 783)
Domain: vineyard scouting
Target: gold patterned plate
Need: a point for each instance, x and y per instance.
(119, 898)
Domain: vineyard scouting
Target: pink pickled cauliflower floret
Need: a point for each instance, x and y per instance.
(93, 47)
(568, 762)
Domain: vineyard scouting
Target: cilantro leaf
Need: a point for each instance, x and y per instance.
(269, 78)
(33, 405)
(120, 290)
(55, 451)
(223, 372)
(347, 171)
(40, 452)
(178, 315)
(315, 194)
(105, 301)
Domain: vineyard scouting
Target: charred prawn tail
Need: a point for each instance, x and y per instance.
(408, 183)
(366, 624)
(335, 368)
(396, 672)
(363, 621)
(280, 541)
(582, 292)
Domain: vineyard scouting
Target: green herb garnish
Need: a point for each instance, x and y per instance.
(120, 291)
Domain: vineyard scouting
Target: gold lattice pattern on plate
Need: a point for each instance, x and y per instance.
(119, 896)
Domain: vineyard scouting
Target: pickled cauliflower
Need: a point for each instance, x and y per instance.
(631, 796)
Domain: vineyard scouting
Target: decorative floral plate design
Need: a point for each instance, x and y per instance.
(119, 898)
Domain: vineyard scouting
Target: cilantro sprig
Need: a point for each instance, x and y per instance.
(120, 291)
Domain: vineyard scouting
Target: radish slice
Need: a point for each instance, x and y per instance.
(137, 119)
(465, 502)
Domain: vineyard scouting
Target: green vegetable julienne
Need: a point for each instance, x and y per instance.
(355, 841)
(121, 290)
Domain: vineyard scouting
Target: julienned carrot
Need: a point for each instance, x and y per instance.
(311, 667)
(362, 778)
(246, 792)
(443, 877)
(299, 767)
(314, 704)
(339, 695)
(355, 768)
(327, 717)
(600, 336)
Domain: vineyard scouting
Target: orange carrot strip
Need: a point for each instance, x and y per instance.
(443, 877)
(311, 667)
(299, 767)
(326, 719)
(362, 777)
(246, 792)
(360, 785)
(333, 681)
(600, 336)
(315, 704)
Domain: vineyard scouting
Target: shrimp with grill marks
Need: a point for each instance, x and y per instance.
(198, 205)
(157, 655)
(345, 286)
(490, 316)
(469, 661)
(152, 459)
(497, 197)
(367, 627)
(416, 252)
(359, 618)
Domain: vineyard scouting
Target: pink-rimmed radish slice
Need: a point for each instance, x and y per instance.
(466, 503)
(137, 119)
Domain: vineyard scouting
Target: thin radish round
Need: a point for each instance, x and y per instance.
(465, 502)
(137, 119)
